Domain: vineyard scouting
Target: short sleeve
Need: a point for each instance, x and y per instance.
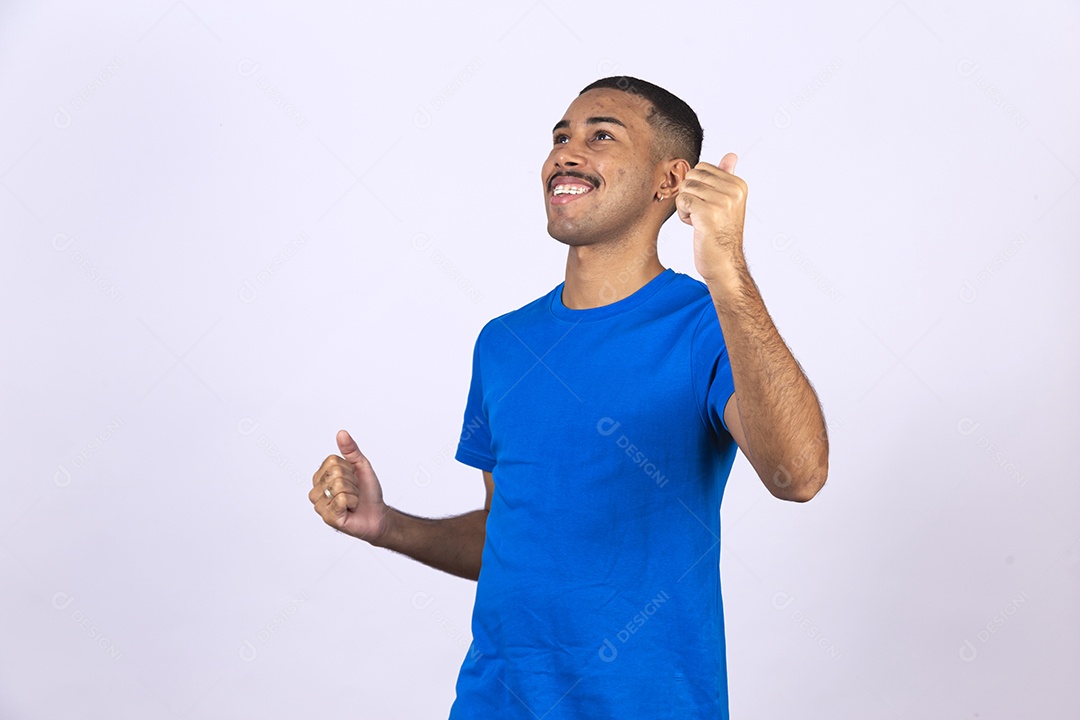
(474, 446)
(711, 371)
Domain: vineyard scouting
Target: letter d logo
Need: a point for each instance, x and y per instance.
(606, 426)
(246, 68)
(62, 119)
(248, 653)
(61, 600)
(782, 600)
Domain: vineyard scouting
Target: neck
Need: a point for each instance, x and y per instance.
(601, 275)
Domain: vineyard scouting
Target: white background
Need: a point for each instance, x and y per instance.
(230, 231)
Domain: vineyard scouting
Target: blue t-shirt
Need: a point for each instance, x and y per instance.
(599, 588)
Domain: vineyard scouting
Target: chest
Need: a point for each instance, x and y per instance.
(584, 388)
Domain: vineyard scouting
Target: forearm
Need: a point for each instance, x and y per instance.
(781, 417)
(453, 544)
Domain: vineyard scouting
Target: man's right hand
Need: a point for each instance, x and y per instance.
(356, 504)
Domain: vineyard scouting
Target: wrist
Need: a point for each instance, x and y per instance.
(727, 277)
(390, 529)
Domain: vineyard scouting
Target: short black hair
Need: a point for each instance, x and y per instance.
(674, 123)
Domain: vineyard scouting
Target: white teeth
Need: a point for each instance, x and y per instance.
(570, 190)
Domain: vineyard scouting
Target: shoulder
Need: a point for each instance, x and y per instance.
(693, 295)
(706, 336)
(691, 283)
(523, 316)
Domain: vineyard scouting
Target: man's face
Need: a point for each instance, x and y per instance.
(600, 179)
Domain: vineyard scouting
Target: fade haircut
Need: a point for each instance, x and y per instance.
(675, 125)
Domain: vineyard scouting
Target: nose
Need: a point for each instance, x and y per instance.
(568, 154)
(565, 159)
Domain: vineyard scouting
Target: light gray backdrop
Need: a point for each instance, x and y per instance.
(229, 231)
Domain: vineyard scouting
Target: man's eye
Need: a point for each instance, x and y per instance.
(560, 136)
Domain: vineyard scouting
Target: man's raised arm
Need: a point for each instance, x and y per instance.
(774, 414)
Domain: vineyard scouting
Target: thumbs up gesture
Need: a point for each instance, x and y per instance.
(347, 495)
(713, 199)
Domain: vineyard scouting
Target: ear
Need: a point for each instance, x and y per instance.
(673, 172)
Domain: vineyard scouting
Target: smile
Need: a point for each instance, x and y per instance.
(568, 189)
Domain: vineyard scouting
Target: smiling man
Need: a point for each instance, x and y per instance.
(605, 417)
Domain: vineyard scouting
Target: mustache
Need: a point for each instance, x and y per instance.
(570, 173)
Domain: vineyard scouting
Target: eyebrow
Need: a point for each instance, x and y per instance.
(591, 121)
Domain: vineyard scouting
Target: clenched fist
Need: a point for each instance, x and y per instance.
(712, 199)
(347, 495)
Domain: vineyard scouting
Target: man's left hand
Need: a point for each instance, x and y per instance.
(713, 201)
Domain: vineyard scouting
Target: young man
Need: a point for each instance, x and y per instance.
(605, 417)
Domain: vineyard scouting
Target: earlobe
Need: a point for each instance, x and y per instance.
(668, 190)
